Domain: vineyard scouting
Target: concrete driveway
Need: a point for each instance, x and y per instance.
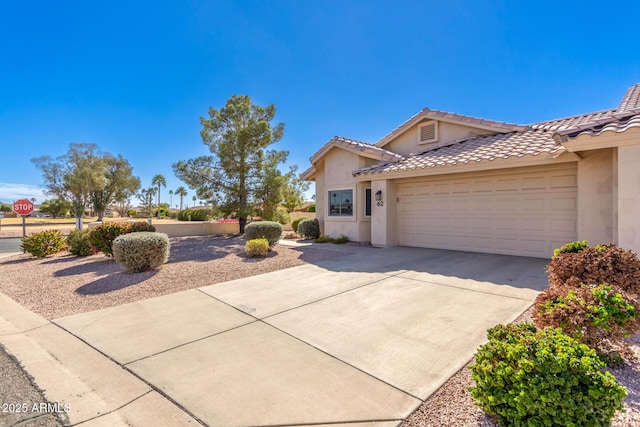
(359, 339)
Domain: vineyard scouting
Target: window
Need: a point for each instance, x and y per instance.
(341, 203)
(367, 202)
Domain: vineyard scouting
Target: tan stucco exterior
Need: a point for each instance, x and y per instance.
(407, 142)
(582, 183)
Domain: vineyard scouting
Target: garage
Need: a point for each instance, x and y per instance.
(525, 211)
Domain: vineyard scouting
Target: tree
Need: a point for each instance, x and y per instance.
(146, 197)
(294, 189)
(5, 208)
(55, 207)
(237, 136)
(73, 176)
(159, 180)
(117, 181)
(170, 198)
(268, 193)
(182, 192)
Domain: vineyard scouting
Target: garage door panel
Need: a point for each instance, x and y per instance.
(525, 213)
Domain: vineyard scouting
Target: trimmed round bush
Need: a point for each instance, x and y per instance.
(43, 244)
(256, 247)
(597, 315)
(309, 228)
(141, 251)
(606, 264)
(296, 222)
(195, 214)
(531, 377)
(269, 230)
(79, 244)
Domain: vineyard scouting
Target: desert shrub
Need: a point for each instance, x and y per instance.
(141, 251)
(340, 240)
(43, 244)
(102, 237)
(79, 244)
(309, 228)
(312, 208)
(132, 212)
(196, 214)
(597, 315)
(282, 216)
(530, 377)
(606, 264)
(324, 239)
(256, 247)
(295, 222)
(269, 230)
(133, 227)
(571, 247)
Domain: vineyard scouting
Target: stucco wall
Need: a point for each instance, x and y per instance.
(384, 221)
(408, 141)
(596, 172)
(338, 167)
(629, 197)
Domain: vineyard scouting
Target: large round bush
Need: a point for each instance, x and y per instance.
(530, 377)
(309, 228)
(141, 251)
(43, 244)
(102, 237)
(269, 230)
(297, 221)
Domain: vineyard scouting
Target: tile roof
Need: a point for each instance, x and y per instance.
(532, 140)
(378, 152)
(501, 146)
(427, 113)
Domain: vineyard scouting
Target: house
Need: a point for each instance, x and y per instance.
(444, 180)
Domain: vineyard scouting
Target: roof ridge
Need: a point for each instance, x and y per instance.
(631, 99)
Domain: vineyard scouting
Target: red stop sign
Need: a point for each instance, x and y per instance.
(23, 207)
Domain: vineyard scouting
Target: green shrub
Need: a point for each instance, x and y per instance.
(324, 239)
(132, 212)
(141, 251)
(572, 247)
(309, 228)
(295, 222)
(195, 214)
(282, 216)
(340, 240)
(597, 315)
(312, 208)
(269, 230)
(530, 377)
(79, 244)
(102, 237)
(606, 264)
(133, 227)
(43, 244)
(256, 247)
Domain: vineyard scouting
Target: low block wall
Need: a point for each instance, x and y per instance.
(198, 228)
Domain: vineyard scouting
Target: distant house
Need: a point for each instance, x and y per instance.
(445, 180)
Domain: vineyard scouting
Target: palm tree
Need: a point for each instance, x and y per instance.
(170, 198)
(182, 192)
(159, 180)
(194, 201)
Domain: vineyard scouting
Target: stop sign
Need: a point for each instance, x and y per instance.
(23, 207)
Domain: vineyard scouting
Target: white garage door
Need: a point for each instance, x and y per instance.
(525, 211)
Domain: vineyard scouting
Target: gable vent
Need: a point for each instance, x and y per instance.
(428, 132)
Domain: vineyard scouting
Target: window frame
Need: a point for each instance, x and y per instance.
(353, 203)
(364, 202)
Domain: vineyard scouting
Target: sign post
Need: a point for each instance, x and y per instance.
(23, 207)
(1, 218)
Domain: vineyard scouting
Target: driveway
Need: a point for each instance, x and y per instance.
(359, 339)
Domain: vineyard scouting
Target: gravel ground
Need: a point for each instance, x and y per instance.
(452, 404)
(62, 285)
(19, 394)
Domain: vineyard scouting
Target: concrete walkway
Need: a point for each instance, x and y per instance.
(362, 339)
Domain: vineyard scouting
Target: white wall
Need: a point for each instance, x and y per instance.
(596, 173)
(384, 221)
(629, 197)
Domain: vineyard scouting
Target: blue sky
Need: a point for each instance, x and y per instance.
(135, 77)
